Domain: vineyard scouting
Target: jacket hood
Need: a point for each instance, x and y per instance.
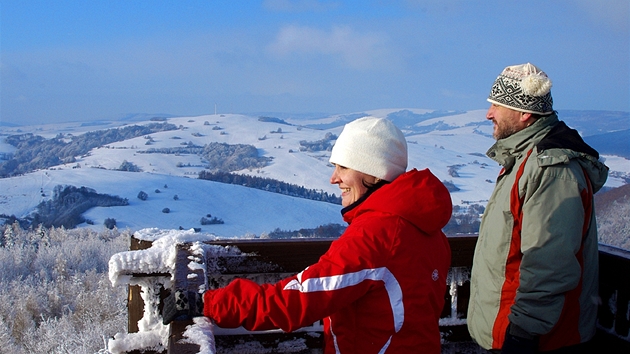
(563, 137)
(416, 196)
(562, 144)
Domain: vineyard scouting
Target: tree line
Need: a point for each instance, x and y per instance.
(270, 185)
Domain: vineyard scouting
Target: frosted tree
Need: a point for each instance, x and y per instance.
(43, 235)
(9, 237)
(613, 225)
(48, 290)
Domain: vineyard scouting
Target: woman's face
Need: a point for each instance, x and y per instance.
(351, 183)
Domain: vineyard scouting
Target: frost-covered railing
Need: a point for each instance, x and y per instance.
(614, 292)
(164, 259)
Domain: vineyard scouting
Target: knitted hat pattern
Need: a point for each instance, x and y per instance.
(524, 88)
(374, 146)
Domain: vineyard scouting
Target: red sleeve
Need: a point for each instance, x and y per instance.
(345, 273)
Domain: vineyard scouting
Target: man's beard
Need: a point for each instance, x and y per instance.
(504, 130)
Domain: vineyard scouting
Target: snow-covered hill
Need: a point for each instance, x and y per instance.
(451, 144)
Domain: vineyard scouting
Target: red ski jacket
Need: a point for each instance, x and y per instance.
(379, 288)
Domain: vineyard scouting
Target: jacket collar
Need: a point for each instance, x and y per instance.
(363, 197)
(506, 151)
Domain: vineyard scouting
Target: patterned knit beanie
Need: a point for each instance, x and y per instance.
(373, 146)
(524, 88)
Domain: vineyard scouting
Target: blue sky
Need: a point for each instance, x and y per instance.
(94, 59)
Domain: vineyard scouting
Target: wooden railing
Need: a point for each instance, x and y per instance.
(614, 292)
(272, 260)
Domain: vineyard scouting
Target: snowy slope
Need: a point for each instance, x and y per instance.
(453, 142)
(245, 211)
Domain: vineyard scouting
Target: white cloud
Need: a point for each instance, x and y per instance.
(357, 50)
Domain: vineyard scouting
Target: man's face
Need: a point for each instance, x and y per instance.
(506, 121)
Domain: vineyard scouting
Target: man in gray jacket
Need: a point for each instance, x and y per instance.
(534, 285)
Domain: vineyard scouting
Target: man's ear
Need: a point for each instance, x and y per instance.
(526, 118)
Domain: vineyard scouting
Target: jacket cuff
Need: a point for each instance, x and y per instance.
(207, 303)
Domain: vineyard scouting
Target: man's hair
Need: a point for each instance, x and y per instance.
(537, 116)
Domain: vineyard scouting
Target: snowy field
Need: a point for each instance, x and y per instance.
(455, 142)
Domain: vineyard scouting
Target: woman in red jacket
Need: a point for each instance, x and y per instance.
(380, 287)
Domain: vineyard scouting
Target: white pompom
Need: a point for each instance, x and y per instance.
(536, 85)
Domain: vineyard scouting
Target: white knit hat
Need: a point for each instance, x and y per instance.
(374, 146)
(524, 88)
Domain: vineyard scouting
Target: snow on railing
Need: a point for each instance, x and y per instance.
(152, 270)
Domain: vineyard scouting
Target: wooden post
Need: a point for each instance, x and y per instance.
(135, 305)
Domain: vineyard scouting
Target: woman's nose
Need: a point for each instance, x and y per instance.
(334, 178)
